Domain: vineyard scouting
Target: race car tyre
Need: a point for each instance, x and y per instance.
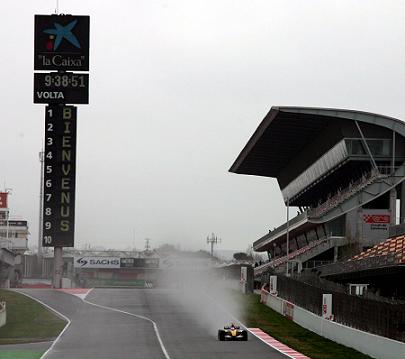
(221, 335)
(244, 336)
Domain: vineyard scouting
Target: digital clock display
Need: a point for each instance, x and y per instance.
(61, 88)
(65, 80)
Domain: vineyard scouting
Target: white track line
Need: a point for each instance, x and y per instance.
(155, 328)
(57, 313)
(77, 295)
(165, 353)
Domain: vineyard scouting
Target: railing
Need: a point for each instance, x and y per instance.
(358, 265)
(302, 216)
(5, 243)
(351, 190)
(281, 260)
(315, 264)
(14, 243)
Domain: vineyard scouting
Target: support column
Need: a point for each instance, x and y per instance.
(335, 254)
(402, 208)
(57, 267)
(393, 205)
(359, 231)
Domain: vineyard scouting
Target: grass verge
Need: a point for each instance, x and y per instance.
(20, 354)
(27, 320)
(257, 315)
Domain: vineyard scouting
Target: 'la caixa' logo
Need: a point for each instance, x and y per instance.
(61, 42)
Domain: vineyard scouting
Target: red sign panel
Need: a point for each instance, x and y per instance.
(3, 199)
(376, 218)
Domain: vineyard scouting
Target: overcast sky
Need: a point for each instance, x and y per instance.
(177, 88)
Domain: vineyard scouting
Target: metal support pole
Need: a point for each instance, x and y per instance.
(7, 226)
(57, 267)
(393, 206)
(41, 203)
(360, 231)
(288, 236)
(393, 152)
(366, 146)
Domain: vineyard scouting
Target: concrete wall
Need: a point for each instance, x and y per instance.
(3, 314)
(374, 345)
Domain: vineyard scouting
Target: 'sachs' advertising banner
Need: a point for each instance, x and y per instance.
(96, 262)
(3, 199)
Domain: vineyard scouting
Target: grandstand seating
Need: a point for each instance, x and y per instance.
(348, 192)
(293, 255)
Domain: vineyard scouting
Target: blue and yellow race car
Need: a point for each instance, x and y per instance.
(232, 332)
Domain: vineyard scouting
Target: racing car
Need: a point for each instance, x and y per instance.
(232, 332)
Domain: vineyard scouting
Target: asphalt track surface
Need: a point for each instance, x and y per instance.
(188, 327)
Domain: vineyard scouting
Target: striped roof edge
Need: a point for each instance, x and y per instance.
(391, 247)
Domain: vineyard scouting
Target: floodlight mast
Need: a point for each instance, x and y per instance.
(147, 244)
(212, 241)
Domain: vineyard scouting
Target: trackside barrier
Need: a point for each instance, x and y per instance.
(3, 314)
(374, 345)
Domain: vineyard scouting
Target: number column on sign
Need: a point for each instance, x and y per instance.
(48, 176)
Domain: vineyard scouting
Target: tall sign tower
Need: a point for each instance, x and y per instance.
(61, 54)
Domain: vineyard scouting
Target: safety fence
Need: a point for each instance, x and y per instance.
(378, 317)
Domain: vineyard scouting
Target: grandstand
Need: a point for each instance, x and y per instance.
(343, 170)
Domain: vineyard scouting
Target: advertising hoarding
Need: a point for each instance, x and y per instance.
(3, 199)
(96, 262)
(376, 224)
(127, 262)
(327, 306)
(13, 223)
(140, 262)
(61, 42)
(151, 262)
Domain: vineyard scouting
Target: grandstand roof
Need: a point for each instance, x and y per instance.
(285, 131)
